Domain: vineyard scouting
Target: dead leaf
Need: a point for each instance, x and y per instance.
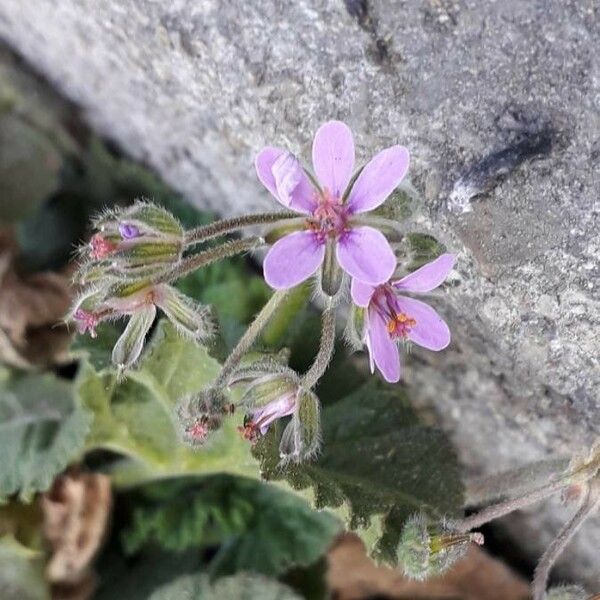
(76, 513)
(353, 576)
(31, 309)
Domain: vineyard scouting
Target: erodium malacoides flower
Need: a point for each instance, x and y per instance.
(332, 232)
(391, 317)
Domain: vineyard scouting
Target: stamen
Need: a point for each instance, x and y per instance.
(330, 217)
(400, 325)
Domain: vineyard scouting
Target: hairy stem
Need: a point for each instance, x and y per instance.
(207, 257)
(326, 347)
(250, 336)
(492, 488)
(503, 508)
(212, 230)
(590, 502)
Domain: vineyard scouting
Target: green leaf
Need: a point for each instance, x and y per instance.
(42, 430)
(377, 459)
(21, 572)
(136, 416)
(259, 528)
(239, 587)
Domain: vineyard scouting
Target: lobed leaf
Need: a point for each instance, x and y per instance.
(377, 460)
(259, 527)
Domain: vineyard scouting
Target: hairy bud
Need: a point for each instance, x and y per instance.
(301, 438)
(200, 414)
(428, 548)
(131, 343)
(140, 241)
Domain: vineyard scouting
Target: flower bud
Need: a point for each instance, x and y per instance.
(131, 343)
(200, 414)
(427, 548)
(190, 319)
(142, 219)
(301, 438)
(138, 241)
(567, 592)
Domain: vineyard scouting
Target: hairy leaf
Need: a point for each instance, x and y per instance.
(239, 587)
(259, 528)
(377, 459)
(42, 430)
(135, 416)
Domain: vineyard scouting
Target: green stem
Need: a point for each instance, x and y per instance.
(249, 337)
(207, 257)
(212, 230)
(326, 348)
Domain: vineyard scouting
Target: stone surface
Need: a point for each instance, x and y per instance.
(196, 87)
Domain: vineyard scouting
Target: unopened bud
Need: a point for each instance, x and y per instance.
(190, 319)
(142, 240)
(301, 438)
(131, 343)
(567, 592)
(142, 219)
(200, 414)
(428, 548)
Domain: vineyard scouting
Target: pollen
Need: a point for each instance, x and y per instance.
(400, 325)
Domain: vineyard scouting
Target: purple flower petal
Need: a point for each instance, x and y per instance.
(293, 259)
(382, 348)
(280, 172)
(429, 276)
(430, 330)
(129, 231)
(365, 254)
(361, 293)
(380, 177)
(277, 409)
(333, 156)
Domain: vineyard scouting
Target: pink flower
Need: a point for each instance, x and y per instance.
(259, 420)
(331, 209)
(391, 317)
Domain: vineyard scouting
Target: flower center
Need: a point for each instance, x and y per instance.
(330, 217)
(400, 325)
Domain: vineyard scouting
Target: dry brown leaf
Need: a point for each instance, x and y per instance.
(76, 513)
(353, 576)
(31, 309)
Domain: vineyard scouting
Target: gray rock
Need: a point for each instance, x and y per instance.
(196, 87)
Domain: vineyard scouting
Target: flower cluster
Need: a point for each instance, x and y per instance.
(332, 233)
(125, 272)
(334, 203)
